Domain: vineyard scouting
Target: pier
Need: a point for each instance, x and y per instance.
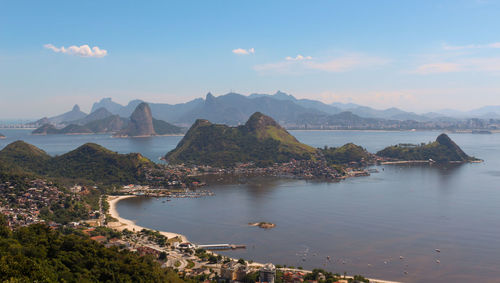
(221, 247)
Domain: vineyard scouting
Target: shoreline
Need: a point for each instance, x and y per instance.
(130, 225)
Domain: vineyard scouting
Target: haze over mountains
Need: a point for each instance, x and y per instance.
(292, 113)
(140, 124)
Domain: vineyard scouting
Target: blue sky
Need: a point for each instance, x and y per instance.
(415, 55)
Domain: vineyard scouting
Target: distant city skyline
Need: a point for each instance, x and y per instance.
(418, 56)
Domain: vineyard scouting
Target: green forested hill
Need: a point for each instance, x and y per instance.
(441, 150)
(88, 162)
(260, 140)
(345, 154)
(24, 155)
(39, 254)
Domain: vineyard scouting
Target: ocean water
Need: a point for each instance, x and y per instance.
(387, 225)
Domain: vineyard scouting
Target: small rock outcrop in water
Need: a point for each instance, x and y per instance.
(2, 136)
(263, 225)
(141, 123)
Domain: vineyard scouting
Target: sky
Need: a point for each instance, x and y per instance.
(415, 55)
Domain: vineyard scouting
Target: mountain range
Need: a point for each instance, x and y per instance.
(141, 123)
(292, 113)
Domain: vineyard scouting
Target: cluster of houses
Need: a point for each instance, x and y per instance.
(305, 169)
(171, 176)
(22, 207)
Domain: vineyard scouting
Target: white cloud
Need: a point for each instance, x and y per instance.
(241, 51)
(483, 64)
(472, 46)
(340, 64)
(298, 58)
(82, 51)
(440, 67)
(346, 63)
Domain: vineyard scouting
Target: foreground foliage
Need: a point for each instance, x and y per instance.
(37, 253)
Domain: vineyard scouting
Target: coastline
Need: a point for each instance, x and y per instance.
(130, 225)
(123, 223)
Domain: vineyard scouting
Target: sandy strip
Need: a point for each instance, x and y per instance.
(123, 223)
(130, 225)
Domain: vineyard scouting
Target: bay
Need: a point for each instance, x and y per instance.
(363, 224)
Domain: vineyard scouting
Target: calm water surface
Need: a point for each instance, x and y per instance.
(364, 224)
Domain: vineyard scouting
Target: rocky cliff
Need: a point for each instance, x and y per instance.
(141, 123)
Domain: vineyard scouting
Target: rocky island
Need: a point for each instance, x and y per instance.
(443, 150)
(2, 136)
(263, 225)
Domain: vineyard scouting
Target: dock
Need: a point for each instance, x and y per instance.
(221, 247)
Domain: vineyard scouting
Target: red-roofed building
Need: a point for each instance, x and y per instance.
(100, 239)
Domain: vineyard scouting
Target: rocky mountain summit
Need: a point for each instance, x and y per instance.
(141, 123)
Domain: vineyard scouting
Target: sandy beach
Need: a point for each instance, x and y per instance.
(130, 225)
(123, 223)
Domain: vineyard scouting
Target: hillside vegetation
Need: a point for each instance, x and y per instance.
(441, 150)
(88, 162)
(345, 154)
(39, 254)
(260, 140)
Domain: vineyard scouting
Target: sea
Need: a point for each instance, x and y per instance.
(424, 223)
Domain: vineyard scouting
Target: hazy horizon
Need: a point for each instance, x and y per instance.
(417, 56)
(87, 107)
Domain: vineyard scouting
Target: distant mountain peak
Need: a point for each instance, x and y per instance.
(107, 103)
(283, 95)
(76, 108)
(141, 122)
(210, 98)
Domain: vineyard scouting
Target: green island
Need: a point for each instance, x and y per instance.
(442, 150)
